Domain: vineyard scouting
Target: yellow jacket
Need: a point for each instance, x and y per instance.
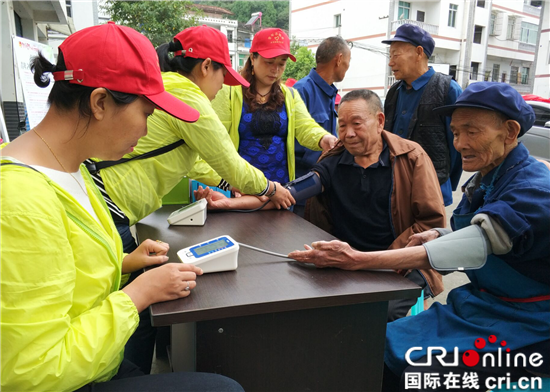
(229, 105)
(137, 187)
(64, 322)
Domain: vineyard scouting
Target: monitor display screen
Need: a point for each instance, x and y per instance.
(219, 244)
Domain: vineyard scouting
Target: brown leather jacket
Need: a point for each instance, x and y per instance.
(416, 201)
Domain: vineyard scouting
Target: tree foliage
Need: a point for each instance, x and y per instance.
(157, 20)
(305, 60)
(274, 13)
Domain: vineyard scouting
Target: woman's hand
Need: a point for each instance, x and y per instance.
(165, 283)
(422, 238)
(282, 197)
(324, 254)
(148, 253)
(328, 142)
(215, 200)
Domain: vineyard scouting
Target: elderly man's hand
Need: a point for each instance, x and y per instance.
(328, 142)
(216, 200)
(422, 238)
(324, 254)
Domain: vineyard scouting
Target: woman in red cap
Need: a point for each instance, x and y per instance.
(194, 72)
(65, 320)
(265, 118)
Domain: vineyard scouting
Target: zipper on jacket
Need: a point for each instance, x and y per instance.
(102, 241)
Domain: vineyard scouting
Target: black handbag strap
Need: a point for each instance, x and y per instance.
(94, 167)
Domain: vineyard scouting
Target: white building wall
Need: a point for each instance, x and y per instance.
(366, 23)
(542, 75)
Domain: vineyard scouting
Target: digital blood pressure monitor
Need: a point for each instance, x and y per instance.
(215, 255)
(193, 214)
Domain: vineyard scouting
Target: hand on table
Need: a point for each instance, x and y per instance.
(215, 200)
(165, 283)
(323, 254)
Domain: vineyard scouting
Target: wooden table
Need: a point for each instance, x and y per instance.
(277, 325)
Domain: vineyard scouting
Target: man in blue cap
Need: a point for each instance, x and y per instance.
(409, 103)
(498, 325)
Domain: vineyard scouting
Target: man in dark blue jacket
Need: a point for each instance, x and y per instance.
(318, 92)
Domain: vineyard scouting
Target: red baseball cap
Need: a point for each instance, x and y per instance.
(270, 43)
(201, 42)
(120, 59)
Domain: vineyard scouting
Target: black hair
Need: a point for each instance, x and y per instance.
(329, 48)
(369, 96)
(180, 64)
(65, 95)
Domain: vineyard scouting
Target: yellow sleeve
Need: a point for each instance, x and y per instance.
(210, 139)
(308, 132)
(50, 342)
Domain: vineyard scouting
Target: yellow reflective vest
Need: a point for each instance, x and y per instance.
(64, 321)
(301, 126)
(138, 187)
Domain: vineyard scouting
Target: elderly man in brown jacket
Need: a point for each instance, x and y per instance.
(376, 189)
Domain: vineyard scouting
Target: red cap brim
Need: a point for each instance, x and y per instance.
(233, 78)
(271, 53)
(174, 107)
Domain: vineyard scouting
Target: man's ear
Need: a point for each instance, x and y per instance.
(512, 131)
(98, 103)
(339, 59)
(420, 51)
(381, 120)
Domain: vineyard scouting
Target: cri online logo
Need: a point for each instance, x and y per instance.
(472, 358)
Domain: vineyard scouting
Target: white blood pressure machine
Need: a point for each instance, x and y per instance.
(193, 214)
(215, 255)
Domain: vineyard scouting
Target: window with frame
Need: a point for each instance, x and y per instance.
(453, 9)
(481, 3)
(69, 7)
(475, 71)
(230, 36)
(420, 16)
(492, 23)
(404, 10)
(338, 20)
(524, 75)
(503, 80)
(511, 27)
(514, 75)
(242, 59)
(478, 32)
(496, 71)
(529, 32)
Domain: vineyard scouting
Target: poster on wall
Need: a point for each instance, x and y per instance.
(36, 98)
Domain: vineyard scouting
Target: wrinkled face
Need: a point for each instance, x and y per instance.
(340, 73)
(359, 127)
(123, 127)
(403, 61)
(213, 82)
(480, 138)
(268, 71)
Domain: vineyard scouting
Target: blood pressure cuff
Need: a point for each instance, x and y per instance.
(464, 249)
(305, 187)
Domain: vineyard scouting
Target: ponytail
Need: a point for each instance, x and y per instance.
(40, 65)
(178, 63)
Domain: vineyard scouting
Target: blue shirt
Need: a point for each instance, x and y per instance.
(359, 199)
(407, 102)
(319, 98)
(262, 143)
